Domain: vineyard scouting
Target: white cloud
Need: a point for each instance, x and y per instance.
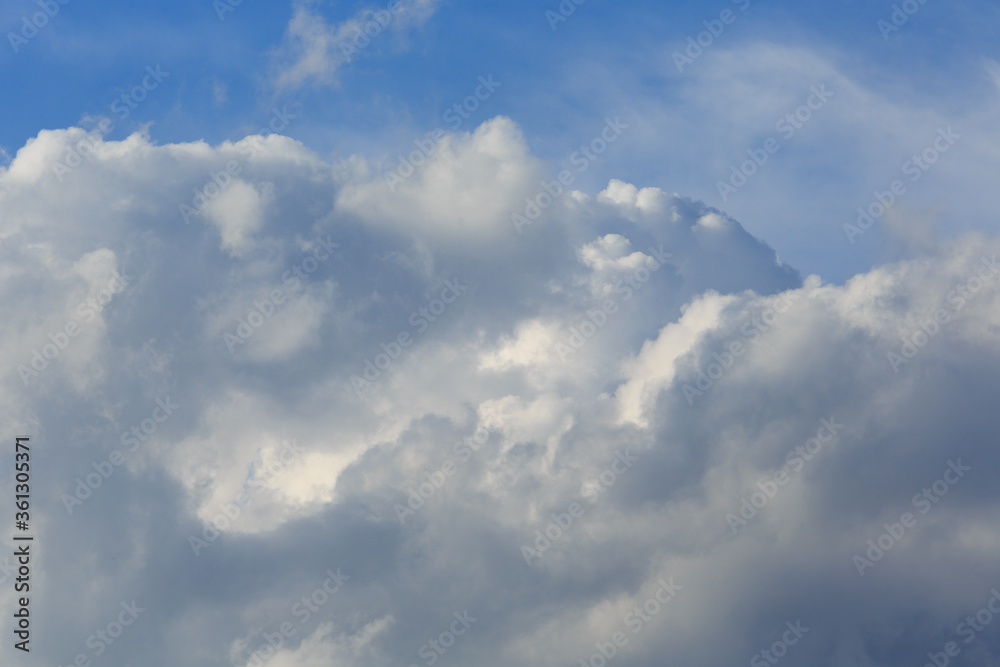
(649, 201)
(467, 188)
(315, 50)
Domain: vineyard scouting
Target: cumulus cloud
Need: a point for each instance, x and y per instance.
(541, 431)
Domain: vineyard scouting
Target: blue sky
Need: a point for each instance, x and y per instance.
(502, 339)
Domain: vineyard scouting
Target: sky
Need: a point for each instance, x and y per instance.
(508, 333)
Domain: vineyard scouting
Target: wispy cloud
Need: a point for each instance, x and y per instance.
(314, 50)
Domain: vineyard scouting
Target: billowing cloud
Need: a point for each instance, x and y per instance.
(312, 419)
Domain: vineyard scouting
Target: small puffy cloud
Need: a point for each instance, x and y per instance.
(649, 201)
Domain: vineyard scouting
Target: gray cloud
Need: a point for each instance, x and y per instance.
(485, 369)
